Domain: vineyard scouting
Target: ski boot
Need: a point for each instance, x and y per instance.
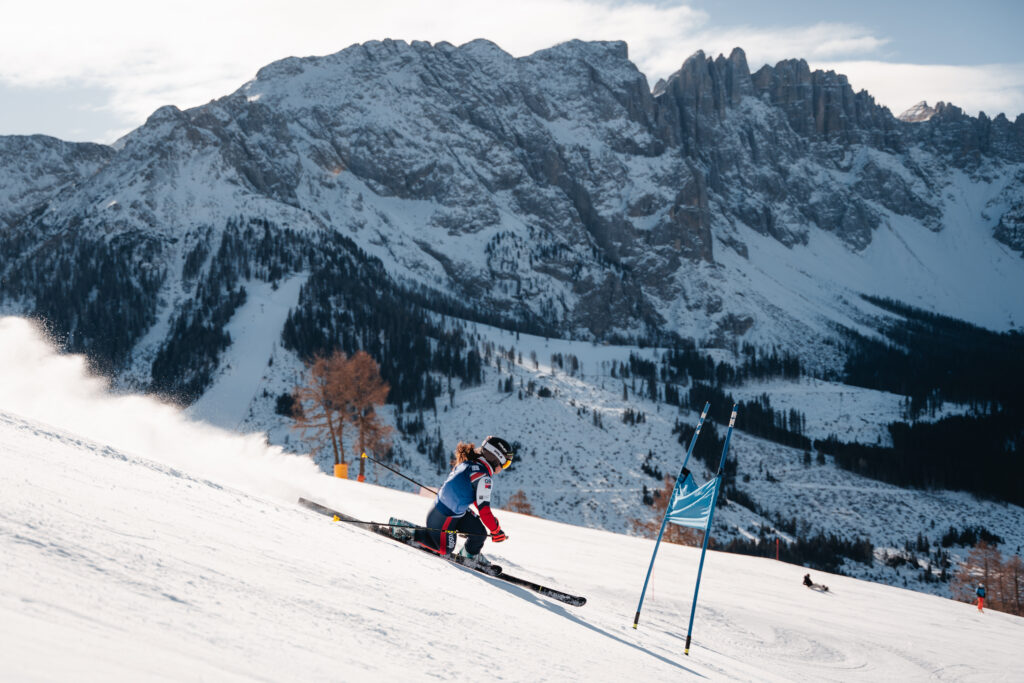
(471, 560)
(400, 529)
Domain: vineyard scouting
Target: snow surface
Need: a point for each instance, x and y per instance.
(956, 271)
(833, 409)
(255, 329)
(137, 544)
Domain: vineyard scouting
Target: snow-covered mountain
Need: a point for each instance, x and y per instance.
(558, 188)
(383, 196)
(136, 544)
(35, 169)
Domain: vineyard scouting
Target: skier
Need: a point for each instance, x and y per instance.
(981, 596)
(814, 586)
(467, 484)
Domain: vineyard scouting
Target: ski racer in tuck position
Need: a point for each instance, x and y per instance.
(469, 483)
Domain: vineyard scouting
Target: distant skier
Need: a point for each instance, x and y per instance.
(814, 586)
(468, 483)
(981, 596)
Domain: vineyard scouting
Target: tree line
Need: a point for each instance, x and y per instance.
(1003, 577)
(980, 455)
(825, 552)
(93, 296)
(933, 359)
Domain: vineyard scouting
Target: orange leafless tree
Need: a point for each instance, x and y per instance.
(1003, 579)
(325, 402)
(674, 533)
(366, 392)
(518, 503)
(1013, 577)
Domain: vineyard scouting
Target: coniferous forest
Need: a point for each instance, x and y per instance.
(93, 296)
(348, 303)
(933, 359)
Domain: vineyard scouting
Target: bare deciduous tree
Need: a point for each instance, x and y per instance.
(1003, 579)
(366, 392)
(673, 532)
(518, 503)
(325, 403)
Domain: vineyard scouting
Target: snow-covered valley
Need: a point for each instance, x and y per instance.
(580, 463)
(138, 544)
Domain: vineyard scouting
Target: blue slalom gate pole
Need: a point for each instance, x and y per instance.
(707, 531)
(682, 473)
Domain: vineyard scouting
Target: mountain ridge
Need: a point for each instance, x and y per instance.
(575, 194)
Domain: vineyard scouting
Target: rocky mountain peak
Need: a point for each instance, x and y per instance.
(557, 185)
(822, 104)
(36, 168)
(919, 112)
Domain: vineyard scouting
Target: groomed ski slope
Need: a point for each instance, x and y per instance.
(137, 545)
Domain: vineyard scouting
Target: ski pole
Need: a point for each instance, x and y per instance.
(407, 526)
(371, 459)
(472, 505)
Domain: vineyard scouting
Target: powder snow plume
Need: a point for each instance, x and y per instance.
(43, 385)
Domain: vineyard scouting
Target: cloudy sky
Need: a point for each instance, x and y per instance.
(95, 70)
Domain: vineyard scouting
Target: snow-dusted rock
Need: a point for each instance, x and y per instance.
(919, 112)
(555, 186)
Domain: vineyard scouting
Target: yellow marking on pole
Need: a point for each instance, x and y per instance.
(336, 518)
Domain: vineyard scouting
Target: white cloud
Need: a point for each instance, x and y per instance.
(191, 51)
(993, 88)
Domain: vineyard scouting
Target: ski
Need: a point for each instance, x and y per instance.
(574, 600)
(382, 529)
(493, 571)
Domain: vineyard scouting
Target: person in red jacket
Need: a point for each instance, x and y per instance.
(470, 483)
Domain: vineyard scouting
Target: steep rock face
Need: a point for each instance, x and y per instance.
(822, 104)
(749, 132)
(967, 141)
(1010, 228)
(36, 168)
(553, 188)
